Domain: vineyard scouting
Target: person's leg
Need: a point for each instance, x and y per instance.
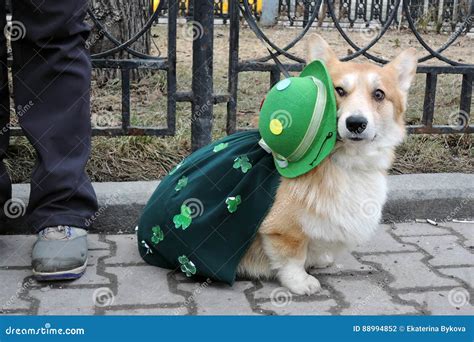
(5, 184)
(51, 75)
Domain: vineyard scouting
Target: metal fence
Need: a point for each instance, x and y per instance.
(264, 64)
(435, 14)
(201, 95)
(139, 60)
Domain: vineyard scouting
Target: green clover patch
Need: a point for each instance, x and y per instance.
(148, 249)
(157, 236)
(232, 203)
(187, 266)
(220, 147)
(243, 163)
(184, 219)
(182, 182)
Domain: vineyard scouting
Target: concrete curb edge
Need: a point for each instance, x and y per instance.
(439, 197)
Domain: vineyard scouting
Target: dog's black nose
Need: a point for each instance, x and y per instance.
(356, 123)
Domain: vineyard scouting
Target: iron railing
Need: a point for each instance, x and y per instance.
(435, 13)
(264, 64)
(201, 95)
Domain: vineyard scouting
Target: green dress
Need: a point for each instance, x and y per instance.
(204, 215)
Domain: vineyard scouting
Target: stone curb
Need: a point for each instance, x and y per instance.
(442, 196)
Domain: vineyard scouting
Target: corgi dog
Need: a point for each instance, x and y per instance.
(338, 204)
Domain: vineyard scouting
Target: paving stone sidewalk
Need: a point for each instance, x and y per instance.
(407, 268)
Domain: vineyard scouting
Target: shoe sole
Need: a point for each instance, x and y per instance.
(62, 275)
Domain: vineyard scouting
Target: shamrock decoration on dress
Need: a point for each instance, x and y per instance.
(220, 147)
(243, 163)
(175, 168)
(148, 249)
(187, 266)
(158, 235)
(232, 203)
(182, 182)
(184, 219)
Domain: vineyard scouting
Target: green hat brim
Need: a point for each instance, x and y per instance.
(326, 137)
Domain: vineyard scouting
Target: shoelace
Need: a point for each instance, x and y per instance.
(56, 233)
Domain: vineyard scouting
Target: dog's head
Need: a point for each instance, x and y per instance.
(371, 99)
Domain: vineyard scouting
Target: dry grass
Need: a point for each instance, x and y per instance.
(144, 158)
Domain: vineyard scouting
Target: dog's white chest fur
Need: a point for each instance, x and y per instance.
(352, 214)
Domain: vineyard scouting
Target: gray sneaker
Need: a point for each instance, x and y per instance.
(60, 253)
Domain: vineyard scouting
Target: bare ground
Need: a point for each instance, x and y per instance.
(144, 158)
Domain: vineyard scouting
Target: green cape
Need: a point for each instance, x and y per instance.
(204, 215)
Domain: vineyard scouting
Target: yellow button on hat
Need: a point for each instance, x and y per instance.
(276, 127)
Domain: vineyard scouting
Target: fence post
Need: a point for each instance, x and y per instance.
(202, 83)
(171, 71)
(233, 66)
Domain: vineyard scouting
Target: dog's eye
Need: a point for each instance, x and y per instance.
(341, 92)
(379, 95)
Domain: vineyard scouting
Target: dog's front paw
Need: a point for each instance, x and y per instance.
(308, 285)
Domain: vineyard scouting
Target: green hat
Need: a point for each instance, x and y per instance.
(298, 121)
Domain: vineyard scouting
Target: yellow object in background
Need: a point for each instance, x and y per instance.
(225, 5)
(155, 4)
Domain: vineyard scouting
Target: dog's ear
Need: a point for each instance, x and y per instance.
(404, 66)
(319, 49)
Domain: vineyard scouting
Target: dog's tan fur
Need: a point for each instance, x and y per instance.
(316, 215)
